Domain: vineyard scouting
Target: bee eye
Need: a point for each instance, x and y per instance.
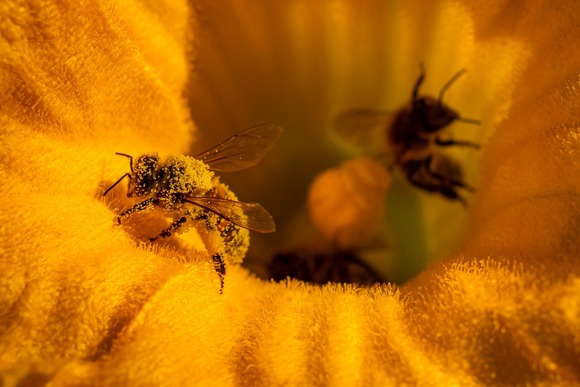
(145, 174)
(420, 104)
(447, 115)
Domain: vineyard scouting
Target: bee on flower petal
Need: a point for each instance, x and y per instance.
(186, 190)
(414, 140)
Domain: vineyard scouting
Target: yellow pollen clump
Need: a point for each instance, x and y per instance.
(346, 203)
(194, 177)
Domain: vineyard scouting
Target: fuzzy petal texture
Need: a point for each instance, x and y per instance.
(82, 302)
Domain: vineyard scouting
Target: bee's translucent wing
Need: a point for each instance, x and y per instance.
(242, 150)
(366, 129)
(244, 214)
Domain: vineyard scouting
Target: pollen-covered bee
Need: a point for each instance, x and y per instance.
(414, 138)
(186, 190)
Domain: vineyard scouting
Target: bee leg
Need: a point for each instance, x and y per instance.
(174, 226)
(144, 205)
(444, 143)
(398, 159)
(446, 180)
(117, 182)
(438, 183)
(220, 268)
(447, 186)
(451, 193)
(206, 219)
(415, 174)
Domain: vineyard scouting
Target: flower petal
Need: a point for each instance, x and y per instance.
(81, 301)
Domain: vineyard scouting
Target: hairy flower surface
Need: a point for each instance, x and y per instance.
(83, 301)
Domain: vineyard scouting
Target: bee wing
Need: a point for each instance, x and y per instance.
(243, 150)
(364, 128)
(248, 215)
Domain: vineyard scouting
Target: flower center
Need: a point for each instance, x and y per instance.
(300, 64)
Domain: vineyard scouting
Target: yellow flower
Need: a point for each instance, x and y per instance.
(82, 302)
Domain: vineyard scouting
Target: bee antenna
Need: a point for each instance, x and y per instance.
(448, 85)
(128, 156)
(117, 182)
(419, 81)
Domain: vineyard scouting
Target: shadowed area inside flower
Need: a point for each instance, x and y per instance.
(304, 79)
(83, 299)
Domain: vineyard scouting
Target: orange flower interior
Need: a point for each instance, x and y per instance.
(83, 299)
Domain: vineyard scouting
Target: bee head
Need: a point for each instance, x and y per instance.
(144, 177)
(434, 114)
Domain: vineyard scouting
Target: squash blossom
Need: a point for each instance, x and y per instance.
(488, 294)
